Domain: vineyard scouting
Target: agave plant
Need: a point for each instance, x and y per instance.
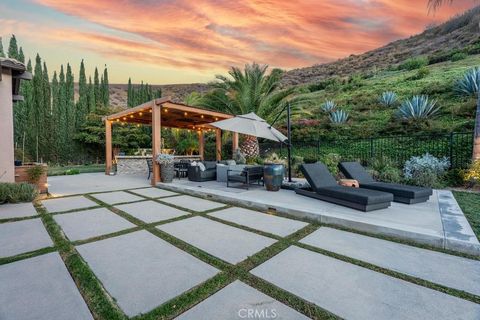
(338, 117)
(417, 107)
(388, 98)
(329, 106)
(470, 82)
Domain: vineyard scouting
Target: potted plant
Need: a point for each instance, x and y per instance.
(167, 170)
(273, 172)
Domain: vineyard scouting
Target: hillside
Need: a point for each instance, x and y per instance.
(367, 117)
(454, 34)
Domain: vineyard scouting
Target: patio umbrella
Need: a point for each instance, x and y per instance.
(252, 125)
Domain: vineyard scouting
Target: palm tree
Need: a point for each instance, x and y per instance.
(251, 90)
(434, 5)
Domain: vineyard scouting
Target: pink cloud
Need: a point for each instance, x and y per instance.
(211, 33)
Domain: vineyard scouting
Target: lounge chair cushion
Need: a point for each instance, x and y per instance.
(399, 190)
(317, 175)
(354, 170)
(362, 196)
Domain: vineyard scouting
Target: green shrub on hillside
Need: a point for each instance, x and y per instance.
(413, 63)
(421, 73)
(458, 56)
(383, 168)
(17, 192)
(331, 160)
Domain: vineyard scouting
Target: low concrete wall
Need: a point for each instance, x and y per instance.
(132, 164)
(7, 171)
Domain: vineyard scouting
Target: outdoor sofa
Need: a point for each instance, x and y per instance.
(401, 193)
(209, 173)
(323, 186)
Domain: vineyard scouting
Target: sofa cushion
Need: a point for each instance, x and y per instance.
(356, 195)
(210, 164)
(399, 190)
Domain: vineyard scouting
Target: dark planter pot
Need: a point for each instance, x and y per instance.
(18, 163)
(273, 176)
(167, 172)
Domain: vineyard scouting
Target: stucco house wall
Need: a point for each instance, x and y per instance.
(7, 169)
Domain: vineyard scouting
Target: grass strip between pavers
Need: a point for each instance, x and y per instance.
(103, 306)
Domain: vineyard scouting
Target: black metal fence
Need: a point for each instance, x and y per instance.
(456, 146)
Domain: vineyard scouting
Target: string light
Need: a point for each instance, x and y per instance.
(131, 116)
(185, 114)
(140, 114)
(124, 118)
(216, 119)
(202, 116)
(117, 120)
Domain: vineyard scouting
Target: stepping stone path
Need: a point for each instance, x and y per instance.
(67, 204)
(220, 240)
(237, 301)
(193, 203)
(86, 224)
(256, 220)
(153, 192)
(17, 210)
(151, 211)
(353, 292)
(451, 271)
(116, 197)
(40, 288)
(141, 271)
(23, 236)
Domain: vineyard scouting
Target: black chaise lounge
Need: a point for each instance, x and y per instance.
(324, 187)
(401, 193)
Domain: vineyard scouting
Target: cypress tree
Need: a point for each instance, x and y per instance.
(105, 88)
(91, 96)
(96, 88)
(46, 128)
(70, 109)
(55, 118)
(13, 48)
(2, 53)
(21, 56)
(61, 117)
(129, 93)
(82, 104)
(36, 116)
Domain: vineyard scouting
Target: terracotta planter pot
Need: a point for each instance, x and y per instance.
(21, 175)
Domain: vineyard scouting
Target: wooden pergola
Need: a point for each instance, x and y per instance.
(163, 112)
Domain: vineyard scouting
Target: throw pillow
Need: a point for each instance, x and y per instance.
(202, 166)
(194, 164)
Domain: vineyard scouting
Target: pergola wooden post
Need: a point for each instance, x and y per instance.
(156, 141)
(108, 147)
(201, 145)
(218, 144)
(234, 142)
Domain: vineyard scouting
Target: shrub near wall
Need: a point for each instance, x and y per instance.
(17, 192)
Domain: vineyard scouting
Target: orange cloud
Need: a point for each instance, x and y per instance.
(210, 34)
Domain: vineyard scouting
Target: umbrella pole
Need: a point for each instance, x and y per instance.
(289, 150)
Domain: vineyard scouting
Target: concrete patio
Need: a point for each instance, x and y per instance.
(439, 222)
(159, 248)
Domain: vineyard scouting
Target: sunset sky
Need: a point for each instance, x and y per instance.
(185, 41)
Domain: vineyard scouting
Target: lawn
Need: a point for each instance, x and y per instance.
(470, 204)
(75, 169)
